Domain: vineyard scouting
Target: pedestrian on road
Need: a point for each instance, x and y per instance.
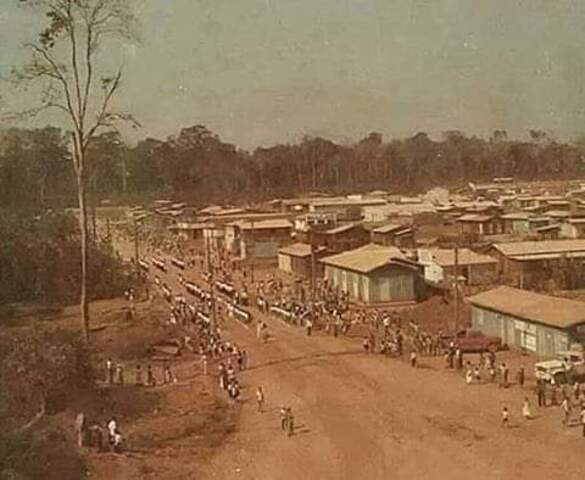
(505, 417)
(283, 418)
(150, 381)
(204, 364)
(477, 374)
(540, 393)
(504, 374)
(526, 410)
(120, 373)
(566, 409)
(110, 368)
(413, 359)
(139, 375)
(309, 327)
(260, 399)
(521, 377)
(290, 423)
(468, 377)
(582, 415)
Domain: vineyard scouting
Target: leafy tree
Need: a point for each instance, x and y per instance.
(65, 64)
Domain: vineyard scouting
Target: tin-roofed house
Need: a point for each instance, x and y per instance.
(300, 260)
(258, 239)
(531, 264)
(375, 274)
(401, 236)
(441, 265)
(538, 323)
(573, 228)
(474, 226)
(340, 238)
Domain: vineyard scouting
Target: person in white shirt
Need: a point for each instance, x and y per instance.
(112, 427)
(526, 410)
(260, 399)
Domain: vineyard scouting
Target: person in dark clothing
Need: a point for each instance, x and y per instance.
(540, 394)
(521, 377)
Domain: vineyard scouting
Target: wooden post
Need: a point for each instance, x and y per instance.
(136, 257)
(456, 287)
(252, 252)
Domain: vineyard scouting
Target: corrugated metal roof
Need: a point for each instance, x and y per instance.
(554, 311)
(365, 259)
(299, 250)
(474, 218)
(342, 228)
(388, 228)
(540, 247)
(446, 257)
(263, 224)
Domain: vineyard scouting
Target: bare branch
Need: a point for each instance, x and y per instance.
(110, 86)
(59, 75)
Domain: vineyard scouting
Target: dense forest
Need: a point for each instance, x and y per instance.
(196, 165)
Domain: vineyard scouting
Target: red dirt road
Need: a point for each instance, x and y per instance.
(366, 416)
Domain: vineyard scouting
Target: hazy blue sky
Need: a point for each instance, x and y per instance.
(264, 71)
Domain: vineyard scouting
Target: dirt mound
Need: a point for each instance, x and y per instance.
(438, 312)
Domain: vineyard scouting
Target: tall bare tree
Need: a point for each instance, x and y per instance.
(65, 63)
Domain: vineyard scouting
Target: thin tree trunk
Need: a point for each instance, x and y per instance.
(83, 302)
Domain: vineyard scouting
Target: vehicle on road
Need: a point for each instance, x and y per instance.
(472, 341)
(568, 367)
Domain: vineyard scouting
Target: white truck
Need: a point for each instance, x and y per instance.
(566, 368)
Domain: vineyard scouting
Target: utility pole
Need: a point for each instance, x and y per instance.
(212, 291)
(456, 287)
(137, 221)
(252, 245)
(311, 241)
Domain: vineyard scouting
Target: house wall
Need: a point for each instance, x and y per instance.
(263, 243)
(341, 242)
(385, 285)
(476, 274)
(515, 332)
(232, 240)
(569, 230)
(285, 263)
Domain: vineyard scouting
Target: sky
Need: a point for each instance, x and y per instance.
(260, 72)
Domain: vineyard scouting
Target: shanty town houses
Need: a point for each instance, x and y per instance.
(375, 274)
(538, 323)
(442, 265)
(528, 264)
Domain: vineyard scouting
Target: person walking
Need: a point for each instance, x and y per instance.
(413, 359)
(120, 373)
(582, 418)
(566, 409)
(112, 427)
(260, 399)
(521, 377)
(290, 423)
(204, 364)
(110, 368)
(150, 381)
(526, 409)
(540, 393)
(283, 418)
(505, 417)
(139, 375)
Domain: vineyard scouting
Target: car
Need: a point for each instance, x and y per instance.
(569, 366)
(552, 371)
(472, 341)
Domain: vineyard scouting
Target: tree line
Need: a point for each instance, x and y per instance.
(197, 165)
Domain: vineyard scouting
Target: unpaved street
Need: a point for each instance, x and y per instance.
(367, 416)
